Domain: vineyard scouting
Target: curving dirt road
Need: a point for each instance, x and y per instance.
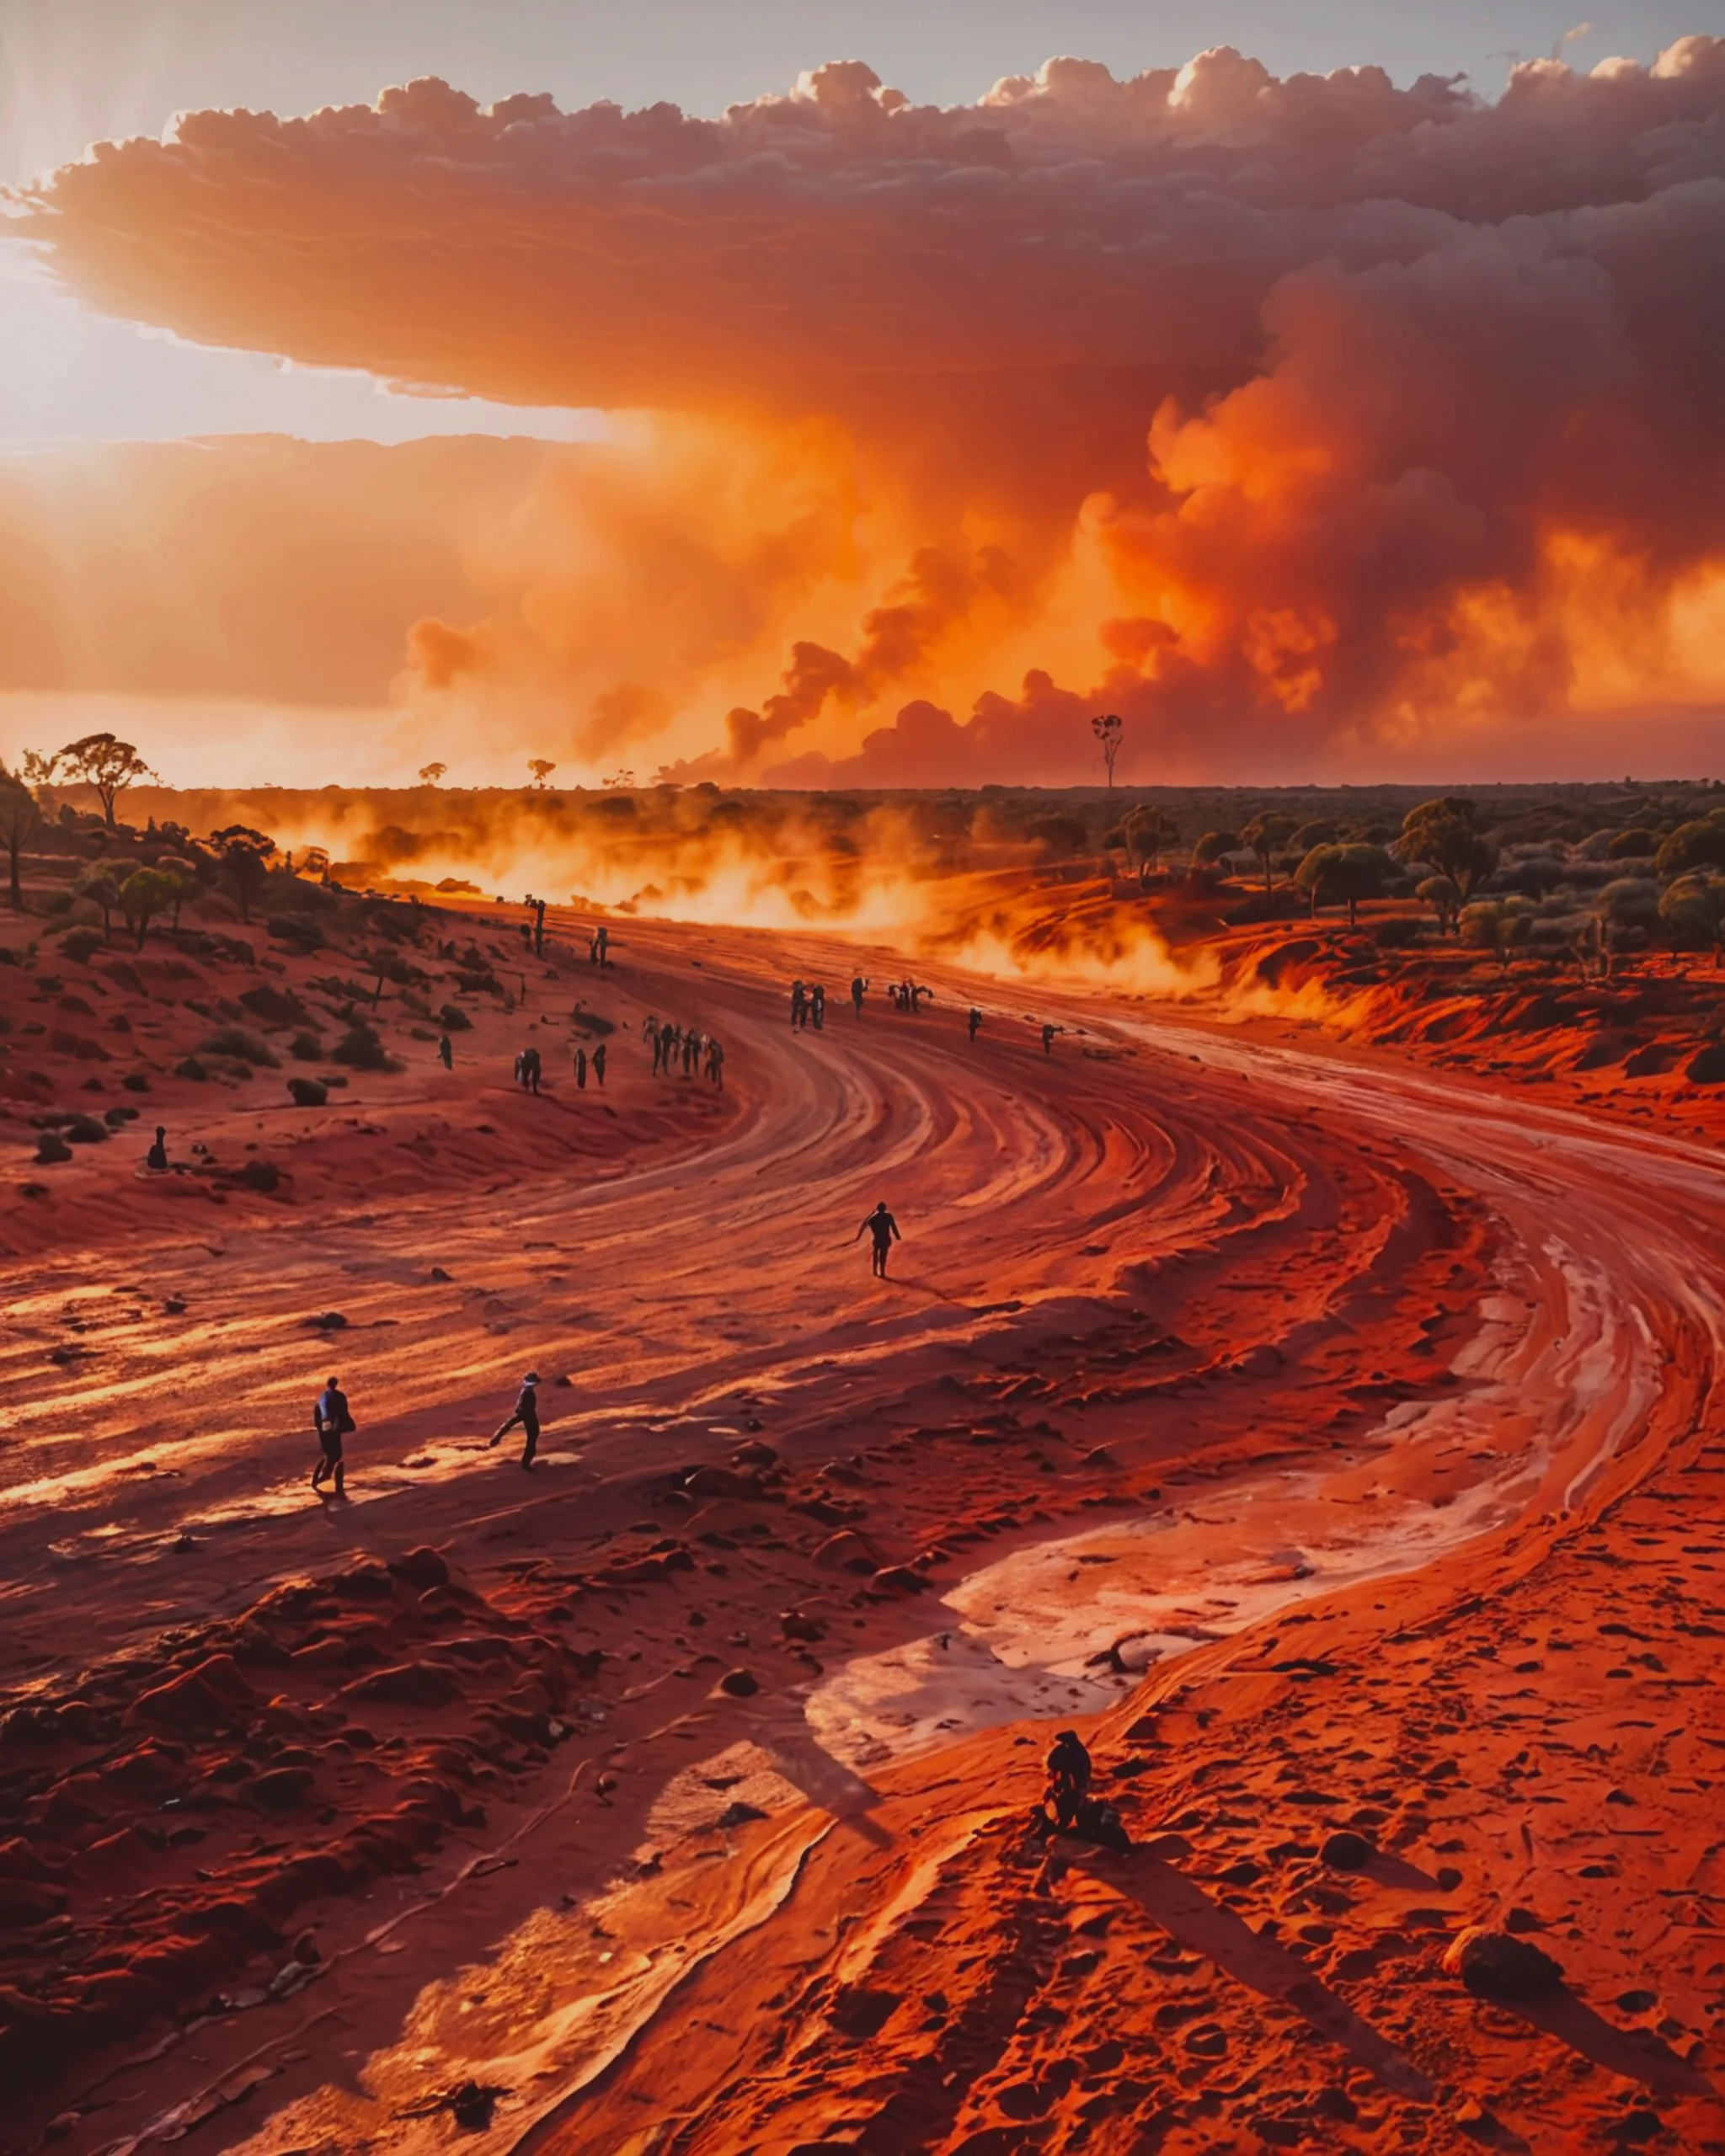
(1191, 1339)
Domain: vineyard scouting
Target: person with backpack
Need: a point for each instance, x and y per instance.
(332, 1422)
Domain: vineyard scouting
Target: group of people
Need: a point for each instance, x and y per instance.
(808, 1006)
(332, 1418)
(684, 1045)
(530, 1067)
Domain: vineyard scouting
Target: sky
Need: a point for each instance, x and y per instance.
(823, 393)
(77, 71)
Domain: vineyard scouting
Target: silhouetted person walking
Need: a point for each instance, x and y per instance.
(524, 1418)
(446, 1051)
(715, 1064)
(881, 1224)
(800, 1005)
(332, 1420)
(156, 1160)
(598, 1065)
(1047, 1038)
(859, 988)
(817, 1008)
(581, 1069)
(975, 1022)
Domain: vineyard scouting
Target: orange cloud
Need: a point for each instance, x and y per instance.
(1285, 416)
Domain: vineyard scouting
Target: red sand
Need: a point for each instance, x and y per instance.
(1387, 1405)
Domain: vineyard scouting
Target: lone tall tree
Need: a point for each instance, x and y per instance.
(104, 762)
(20, 820)
(541, 768)
(430, 773)
(1108, 730)
(1267, 833)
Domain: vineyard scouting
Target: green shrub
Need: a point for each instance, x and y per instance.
(295, 928)
(275, 1007)
(361, 1050)
(81, 944)
(305, 1048)
(244, 1047)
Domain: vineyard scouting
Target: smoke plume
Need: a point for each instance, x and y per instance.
(1287, 418)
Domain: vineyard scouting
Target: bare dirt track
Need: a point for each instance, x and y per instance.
(1363, 1412)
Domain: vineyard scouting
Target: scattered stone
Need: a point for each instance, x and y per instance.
(1492, 1965)
(422, 1568)
(741, 1684)
(861, 2014)
(737, 1813)
(327, 1321)
(1347, 1851)
(283, 1789)
(214, 1694)
(899, 1579)
(845, 1552)
(720, 1482)
(308, 1093)
(438, 1273)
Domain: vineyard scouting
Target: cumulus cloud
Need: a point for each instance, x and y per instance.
(1304, 414)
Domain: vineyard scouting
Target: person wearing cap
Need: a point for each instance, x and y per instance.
(524, 1418)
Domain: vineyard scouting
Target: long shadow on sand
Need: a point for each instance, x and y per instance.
(1187, 1914)
(1635, 2054)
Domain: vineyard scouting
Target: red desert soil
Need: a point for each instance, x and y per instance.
(1334, 1444)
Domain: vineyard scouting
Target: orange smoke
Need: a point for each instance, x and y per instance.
(1286, 419)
